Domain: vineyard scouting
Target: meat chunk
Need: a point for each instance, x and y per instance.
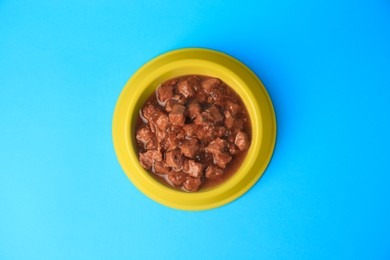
(161, 168)
(177, 178)
(148, 112)
(190, 129)
(179, 99)
(201, 96)
(148, 158)
(162, 121)
(185, 89)
(155, 117)
(221, 159)
(229, 120)
(160, 135)
(203, 119)
(164, 92)
(171, 82)
(169, 104)
(216, 146)
(232, 107)
(174, 159)
(144, 134)
(157, 155)
(192, 184)
(205, 134)
(178, 131)
(193, 109)
(211, 116)
(219, 97)
(193, 168)
(213, 172)
(152, 144)
(209, 84)
(242, 141)
(195, 83)
(170, 141)
(175, 100)
(215, 114)
(177, 115)
(189, 147)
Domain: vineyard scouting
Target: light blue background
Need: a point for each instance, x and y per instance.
(325, 194)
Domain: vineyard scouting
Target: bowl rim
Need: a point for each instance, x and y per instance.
(189, 61)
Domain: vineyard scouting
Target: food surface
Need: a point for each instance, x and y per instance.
(193, 132)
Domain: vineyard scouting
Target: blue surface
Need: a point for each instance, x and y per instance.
(325, 195)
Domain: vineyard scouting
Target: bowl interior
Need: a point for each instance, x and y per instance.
(147, 86)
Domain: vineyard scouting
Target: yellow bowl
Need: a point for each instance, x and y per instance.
(203, 62)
